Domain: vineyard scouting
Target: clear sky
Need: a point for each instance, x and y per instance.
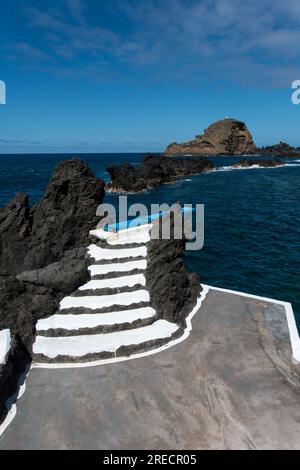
(135, 75)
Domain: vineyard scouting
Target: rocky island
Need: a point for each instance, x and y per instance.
(229, 137)
(225, 137)
(154, 171)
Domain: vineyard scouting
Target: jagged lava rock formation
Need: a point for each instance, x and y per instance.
(33, 238)
(154, 171)
(281, 149)
(265, 163)
(42, 258)
(173, 290)
(225, 137)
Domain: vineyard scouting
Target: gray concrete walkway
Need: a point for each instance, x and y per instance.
(230, 385)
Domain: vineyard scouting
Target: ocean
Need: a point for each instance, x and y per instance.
(252, 217)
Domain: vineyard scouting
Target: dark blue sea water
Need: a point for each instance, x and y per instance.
(252, 217)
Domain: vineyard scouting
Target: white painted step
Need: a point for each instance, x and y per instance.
(5, 342)
(101, 301)
(77, 346)
(117, 267)
(99, 253)
(76, 322)
(140, 238)
(132, 235)
(124, 281)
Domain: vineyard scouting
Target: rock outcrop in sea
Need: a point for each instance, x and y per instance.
(153, 171)
(229, 137)
(225, 137)
(34, 237)
(281, 149)
(261, 162)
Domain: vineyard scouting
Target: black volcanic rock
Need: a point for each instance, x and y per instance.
(265, 163)
(154, 171)
(280, 150)
(61, 220)
(17, 364)
(43, 258)
(32, 295)
(21, 305)
(15, 228)
(173, 290)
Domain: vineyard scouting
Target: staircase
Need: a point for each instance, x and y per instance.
(109, 316)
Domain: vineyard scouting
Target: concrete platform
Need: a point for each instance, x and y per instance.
(229, 385)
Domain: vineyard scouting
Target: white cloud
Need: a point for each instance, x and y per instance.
(249, 41)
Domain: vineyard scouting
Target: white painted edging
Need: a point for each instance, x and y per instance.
(5, 342)
(96, 302)
(99, 253)
(134, 356)
(130, 238)
(79, 346)
(138, 234)
(79, 321)
(112, 283)
(9, 417)
(96, 269)
(294, 336)
(12, 407)
(293, 331)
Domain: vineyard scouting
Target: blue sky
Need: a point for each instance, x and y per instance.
(135, 75)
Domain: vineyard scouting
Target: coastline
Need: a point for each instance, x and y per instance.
(180, 178)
